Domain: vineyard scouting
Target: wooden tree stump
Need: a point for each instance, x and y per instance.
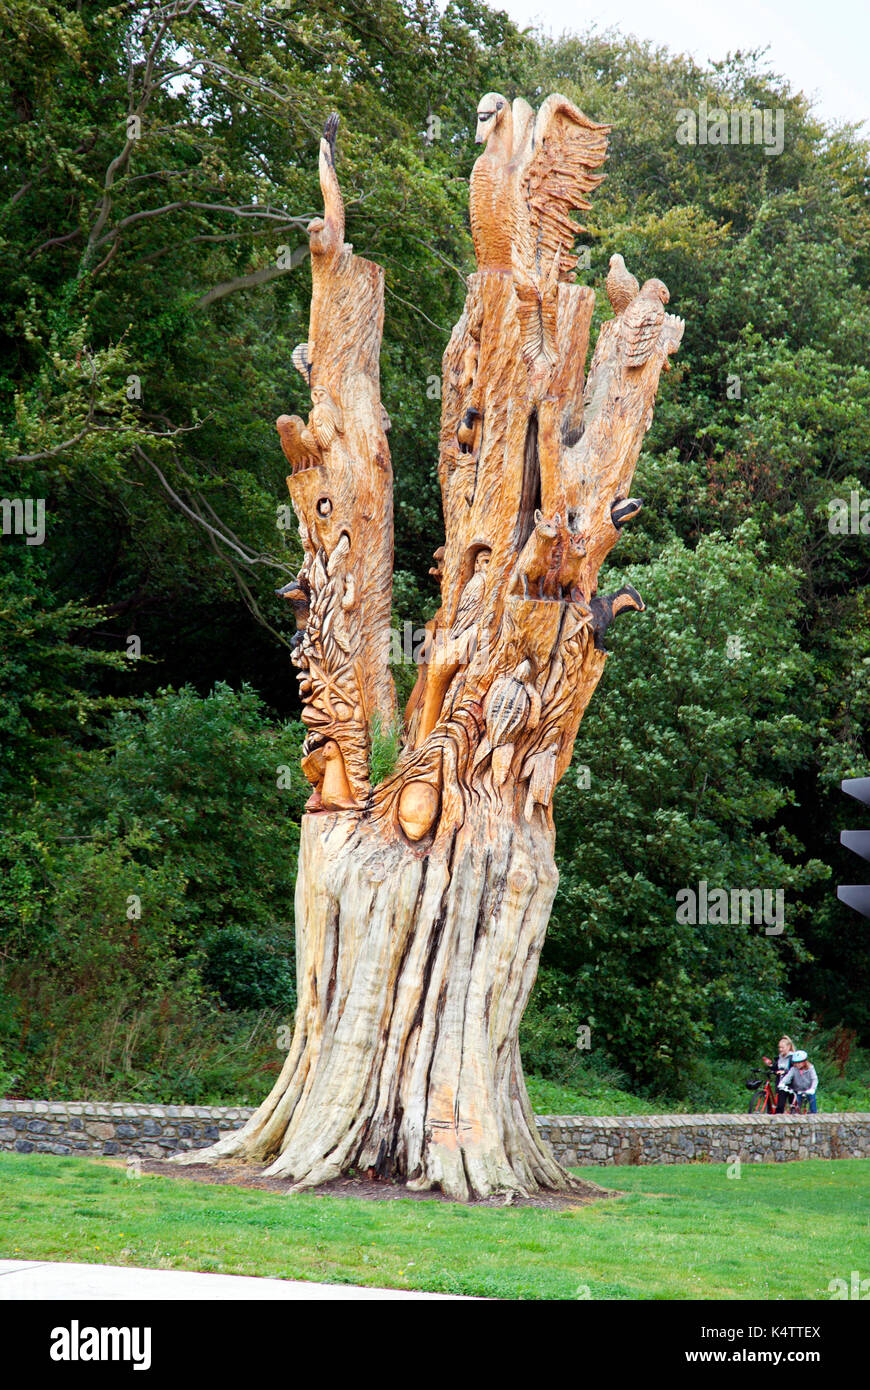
(422, 903)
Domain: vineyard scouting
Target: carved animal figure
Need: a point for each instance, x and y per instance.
(605, 608)
(625, 509)
(642, 323)
(571, 566)
(301, 359)
(538, 561)
(301, 449)
(512, 705)
(470, 604)
(437, 570)
(535, 170)
(300, 597)
(326, 418)
(325, 767)
(621, 285)
(469, 430)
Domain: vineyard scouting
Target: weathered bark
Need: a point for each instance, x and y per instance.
(422, 903)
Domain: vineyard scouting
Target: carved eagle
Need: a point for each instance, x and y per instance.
(300, 447)
(534, 172)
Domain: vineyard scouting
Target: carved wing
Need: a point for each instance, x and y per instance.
(566, 150)
(641, 326)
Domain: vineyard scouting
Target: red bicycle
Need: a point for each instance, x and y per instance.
(764, 1088)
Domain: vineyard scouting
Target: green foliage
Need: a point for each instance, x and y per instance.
(150, 881)
(385, 747)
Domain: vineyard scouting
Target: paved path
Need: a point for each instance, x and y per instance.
(34, 1279)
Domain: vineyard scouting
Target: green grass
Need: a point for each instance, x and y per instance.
(592, 1097)
(685, 1231)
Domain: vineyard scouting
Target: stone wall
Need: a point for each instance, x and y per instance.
(81, 1128)
(93, 1127)
(580, 1139)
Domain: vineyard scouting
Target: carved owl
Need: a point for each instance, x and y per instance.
(642, 322)
(622, 287)
(470, 604)
(326, 418)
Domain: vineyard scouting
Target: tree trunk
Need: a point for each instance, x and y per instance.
(422, 903)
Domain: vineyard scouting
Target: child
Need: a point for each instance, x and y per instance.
(801, 1077)
(782, 1065)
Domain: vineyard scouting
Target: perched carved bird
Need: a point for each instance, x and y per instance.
(301, 359)
(605, 608)
(300, 447)
(326, 418)
(621, 285)
(512, 705)
(642, 322)
(469, 430)
(535, 170)
(470, 604)
(325, 768)
(625, 509)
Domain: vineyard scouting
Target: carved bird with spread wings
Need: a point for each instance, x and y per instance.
(534, 172)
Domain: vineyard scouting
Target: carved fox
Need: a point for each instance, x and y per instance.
(571, 567)
(539, 558)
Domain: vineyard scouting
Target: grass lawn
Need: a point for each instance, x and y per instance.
(686, 1231)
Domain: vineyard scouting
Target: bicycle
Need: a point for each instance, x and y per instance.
(764, 1086)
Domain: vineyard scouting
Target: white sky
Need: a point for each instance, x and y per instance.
(821, 46)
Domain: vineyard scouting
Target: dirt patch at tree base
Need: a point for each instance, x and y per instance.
(229, 1174)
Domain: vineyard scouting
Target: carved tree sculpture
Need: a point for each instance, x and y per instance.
(422, 903)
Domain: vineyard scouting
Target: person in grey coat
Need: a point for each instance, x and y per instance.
(801, 1078)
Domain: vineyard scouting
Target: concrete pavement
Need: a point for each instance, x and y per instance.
(36, 1280)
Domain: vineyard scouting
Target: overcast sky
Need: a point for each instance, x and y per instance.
(821, 46)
